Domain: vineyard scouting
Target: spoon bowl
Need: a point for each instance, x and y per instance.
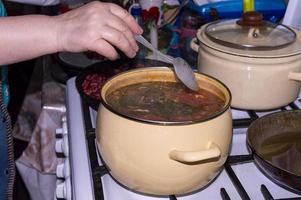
(185, 73)
(182, 68)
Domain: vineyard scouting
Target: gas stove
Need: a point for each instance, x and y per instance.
(83, 177)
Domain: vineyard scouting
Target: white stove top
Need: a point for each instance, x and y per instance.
(81, 176)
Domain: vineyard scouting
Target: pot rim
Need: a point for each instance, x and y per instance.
(239, 52)
(166, 123)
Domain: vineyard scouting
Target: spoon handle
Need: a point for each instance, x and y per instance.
(147, 44)
(182, 68)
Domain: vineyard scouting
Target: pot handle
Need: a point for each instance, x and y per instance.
(294, 76)
(193, 44)
(213, 151)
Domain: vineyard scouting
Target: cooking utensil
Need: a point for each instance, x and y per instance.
(275, 141)
(260, 62)
(187, 155)
(183, 71)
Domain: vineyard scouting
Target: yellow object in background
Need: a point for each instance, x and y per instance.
(249, 5)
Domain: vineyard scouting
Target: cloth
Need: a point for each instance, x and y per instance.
(28, 116)
(2, 10)
(40, 152)
(3, 159)
(3, 143)
(41, 186)
(7, 169)
(38, 162)
(4, 70)
(37, 165)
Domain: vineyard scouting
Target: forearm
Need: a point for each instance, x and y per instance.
(99, 27)
(26, 37)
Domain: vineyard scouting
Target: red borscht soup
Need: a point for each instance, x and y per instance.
(164, 101)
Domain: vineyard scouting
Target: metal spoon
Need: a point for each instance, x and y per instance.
(182, 68)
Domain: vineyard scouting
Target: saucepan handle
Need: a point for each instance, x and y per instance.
(194, 45)
(294, 76)
(212, 152)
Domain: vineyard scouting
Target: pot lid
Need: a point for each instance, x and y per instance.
(251, 32)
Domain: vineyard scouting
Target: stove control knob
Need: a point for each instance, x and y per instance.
(59, 146)
(63, 170)
(64, 129)
(62, 146)
(64, 119)
(58, 181)
(59, 131)
(63, 190)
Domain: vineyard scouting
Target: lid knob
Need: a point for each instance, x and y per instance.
(251, 18)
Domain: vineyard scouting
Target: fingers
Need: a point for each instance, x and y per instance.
(126, 17)
(98, 27)
(118, 39)
(104, 48)
(121, 26)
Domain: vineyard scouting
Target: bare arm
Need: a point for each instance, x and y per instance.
(96, 27)
(26, 37)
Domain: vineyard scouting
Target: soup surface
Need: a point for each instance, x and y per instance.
(164, 101)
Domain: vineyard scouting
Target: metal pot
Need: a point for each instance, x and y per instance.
(260, 62)
(163, 158)
(275, 141)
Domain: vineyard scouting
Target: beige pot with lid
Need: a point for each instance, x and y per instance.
(163, 158)
(260, 63)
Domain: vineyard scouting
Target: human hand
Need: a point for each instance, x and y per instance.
(98, 27)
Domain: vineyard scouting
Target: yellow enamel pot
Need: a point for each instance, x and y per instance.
(163, 158)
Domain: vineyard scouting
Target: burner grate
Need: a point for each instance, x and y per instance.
(245, 122)
(99, 171)
(224, 194)
(235, 160)
(238, 159)
(267, 195)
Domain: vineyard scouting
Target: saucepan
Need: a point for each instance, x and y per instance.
(163, 157)
(275, 141)
(259, 61)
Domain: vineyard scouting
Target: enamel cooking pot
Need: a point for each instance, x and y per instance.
(163, 158)
(260, 62)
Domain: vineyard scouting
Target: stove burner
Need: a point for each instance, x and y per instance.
(242, 192)
(97, 171)
(224, 194)
(238, 159)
